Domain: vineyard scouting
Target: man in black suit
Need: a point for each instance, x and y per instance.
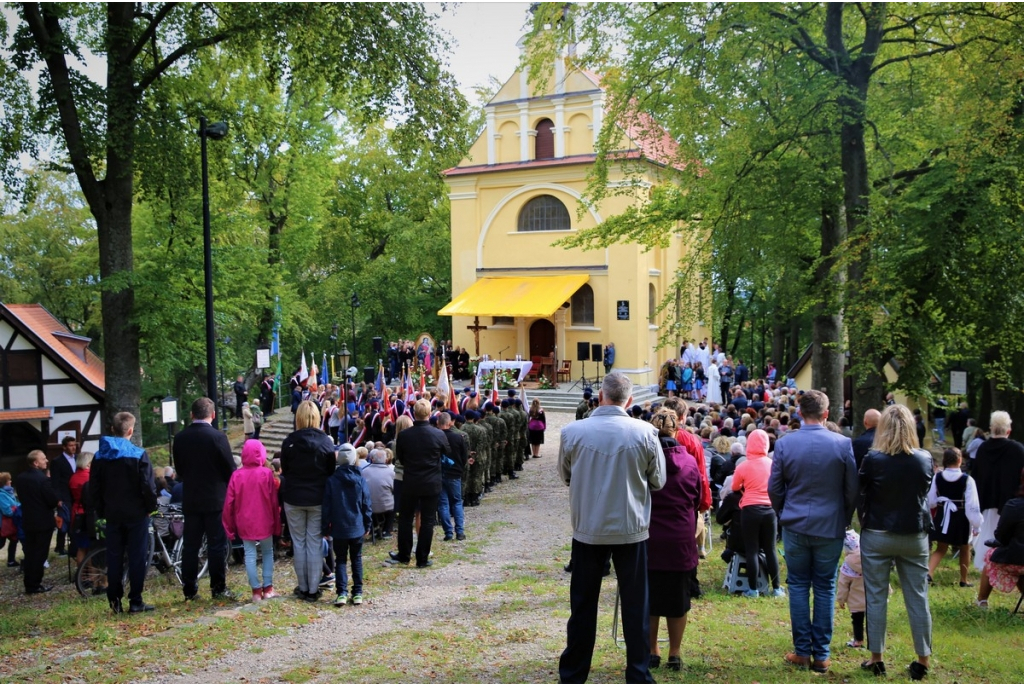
(862, 444)
(241, 395)
(38, 500)
(203, 457)
(61, 470)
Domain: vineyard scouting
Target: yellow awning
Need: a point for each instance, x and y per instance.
(526, 296)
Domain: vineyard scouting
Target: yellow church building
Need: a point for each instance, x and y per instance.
(517, 192)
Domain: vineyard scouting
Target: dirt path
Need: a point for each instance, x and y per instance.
(521, 527)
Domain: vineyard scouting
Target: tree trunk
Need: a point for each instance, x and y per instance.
(778, 344)
(114, 225)
(793, 349)
(826, 346)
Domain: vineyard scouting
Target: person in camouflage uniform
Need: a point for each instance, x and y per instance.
(458, 425)
(584, 405)
(508, 453)
(478, 441)
(520, 437)
(499, 436)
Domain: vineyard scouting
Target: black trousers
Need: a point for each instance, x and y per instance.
(36, 548)
(758, 527)
(427, 504)
(198, 524)
(133, 539)
(584, 592)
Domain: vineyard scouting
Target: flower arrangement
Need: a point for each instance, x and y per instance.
(544, 383)
(418, 373)
(507, 378)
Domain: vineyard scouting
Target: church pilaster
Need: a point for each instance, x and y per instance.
(598, 116)
(559, 127)
(524, 127)
(492, 157)
(560, 334)
(522, 341)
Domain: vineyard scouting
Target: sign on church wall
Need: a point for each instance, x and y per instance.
(622, 310)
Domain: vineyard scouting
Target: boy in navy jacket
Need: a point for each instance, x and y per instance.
(346, 516)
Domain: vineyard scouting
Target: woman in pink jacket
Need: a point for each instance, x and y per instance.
(758, 521)
(251, 513)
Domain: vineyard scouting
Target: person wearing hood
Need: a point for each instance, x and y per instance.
(346, 516)
(758, 521)
(124, 493)
(251, 513)
(672, 547)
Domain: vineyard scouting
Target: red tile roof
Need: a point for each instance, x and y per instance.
(42, 325)
(15, 415)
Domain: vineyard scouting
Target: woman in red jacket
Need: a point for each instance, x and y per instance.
(79, 527)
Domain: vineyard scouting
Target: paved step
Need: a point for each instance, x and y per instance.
(564, 401)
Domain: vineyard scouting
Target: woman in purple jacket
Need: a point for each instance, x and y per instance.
(672, 546)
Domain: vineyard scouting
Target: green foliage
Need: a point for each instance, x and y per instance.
(48, 253)
(760, 97)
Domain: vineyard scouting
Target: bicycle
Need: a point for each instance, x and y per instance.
(91, 575)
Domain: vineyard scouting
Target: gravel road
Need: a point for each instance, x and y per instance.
(524, 524)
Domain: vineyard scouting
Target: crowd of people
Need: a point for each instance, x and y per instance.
(360, 457)
(770, 464)
(779, 464)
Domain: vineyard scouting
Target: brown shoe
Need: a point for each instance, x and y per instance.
(798, 661)
(821, 666)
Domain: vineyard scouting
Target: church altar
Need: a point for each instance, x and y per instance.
(484, 369)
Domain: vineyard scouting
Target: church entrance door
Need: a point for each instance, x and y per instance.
(542, 338)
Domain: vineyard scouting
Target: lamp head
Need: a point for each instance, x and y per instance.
(216, 130)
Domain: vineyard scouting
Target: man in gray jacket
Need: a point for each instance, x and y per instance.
(611, 463)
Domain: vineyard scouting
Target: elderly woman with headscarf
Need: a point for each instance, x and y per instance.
(672, 546)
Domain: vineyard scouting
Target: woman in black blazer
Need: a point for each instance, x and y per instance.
(895, 478)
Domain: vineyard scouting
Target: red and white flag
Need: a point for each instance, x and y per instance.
(494, 392)
(303, 371)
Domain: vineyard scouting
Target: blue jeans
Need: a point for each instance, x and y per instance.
(811, 562)
(267, 550)
(940, 429)
(450, 504)
(342, 550)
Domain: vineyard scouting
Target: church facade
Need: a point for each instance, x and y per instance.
(519, 191)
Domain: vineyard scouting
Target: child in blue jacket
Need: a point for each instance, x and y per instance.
(346, 516)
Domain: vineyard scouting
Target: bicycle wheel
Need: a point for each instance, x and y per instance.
(91, 575)
(176, 554)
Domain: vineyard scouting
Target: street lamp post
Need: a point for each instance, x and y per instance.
(355, 306)
(214, 132)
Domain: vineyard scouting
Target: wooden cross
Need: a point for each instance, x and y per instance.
(476, 328)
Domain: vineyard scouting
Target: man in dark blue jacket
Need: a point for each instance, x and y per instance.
(202, 455)
(813, 488)
(124, 493)
(453, 464)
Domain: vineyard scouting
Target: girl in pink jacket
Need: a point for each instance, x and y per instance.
(251, 513)
(757, 520)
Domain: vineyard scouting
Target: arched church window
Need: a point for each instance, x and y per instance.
(544, 213)
(544, 145)
(582, 304)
